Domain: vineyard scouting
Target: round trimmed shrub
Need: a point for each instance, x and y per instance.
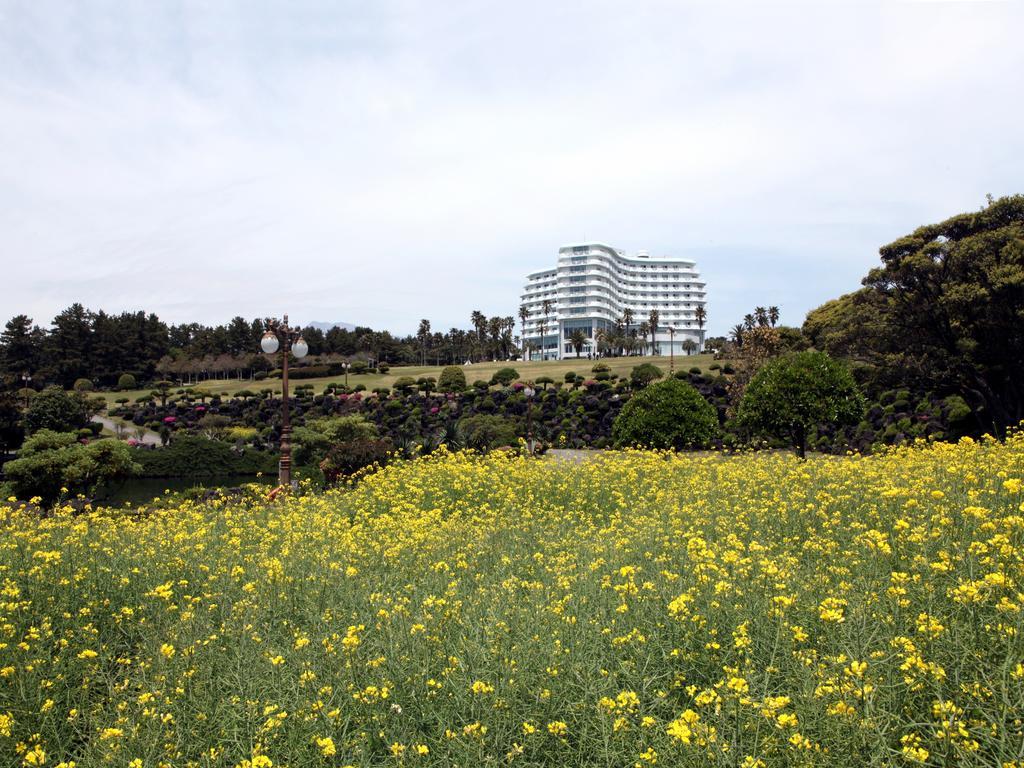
(126, 381)
(83, 385)
(452, 379)
(644, 374)
(505, 376)
(404, 383)
(667, 414)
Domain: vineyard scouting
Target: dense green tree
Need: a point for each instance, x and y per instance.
(955, 304)
(794, 393)
(54, 465)
(56, 410)
(945, 310)
(12, 430)
(20, 347)
(240, 340)
(69, 344)
(666, 414)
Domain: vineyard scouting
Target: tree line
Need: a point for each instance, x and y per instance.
(101, 347)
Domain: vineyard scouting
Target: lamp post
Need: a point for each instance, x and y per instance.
(280, 335)
(528, 392)
(346, 365)
(26, 380)
(671, 350)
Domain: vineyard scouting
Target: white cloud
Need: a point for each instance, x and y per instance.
(380, 163)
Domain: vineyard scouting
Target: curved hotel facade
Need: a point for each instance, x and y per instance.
(594, 283)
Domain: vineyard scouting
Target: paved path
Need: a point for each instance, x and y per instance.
(130, 430)
(572, 455)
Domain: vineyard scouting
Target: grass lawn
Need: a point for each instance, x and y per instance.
(556, 369)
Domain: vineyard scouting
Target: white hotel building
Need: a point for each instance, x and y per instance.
(591, 286)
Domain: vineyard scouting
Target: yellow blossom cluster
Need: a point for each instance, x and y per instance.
(639, 608)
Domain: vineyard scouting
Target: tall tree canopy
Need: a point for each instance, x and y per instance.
(945, 307)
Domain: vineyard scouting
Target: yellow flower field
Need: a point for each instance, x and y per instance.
(639, 609)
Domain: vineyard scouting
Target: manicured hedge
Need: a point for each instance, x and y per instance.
(195, 456)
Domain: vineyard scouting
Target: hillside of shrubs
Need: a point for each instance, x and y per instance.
(578, 413)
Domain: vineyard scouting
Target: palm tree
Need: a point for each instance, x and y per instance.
(773, 315)
(600, 340)
(689, 346)
(626, 322)
(524, 315)
(507, 339)
(653, 318)
(643, 330)
(761, 315)
(423, 335)
(546, 308)
(578, 339)
(701, 316)
(748, 322)
(737, 335)
(494, 327)
(479, 320)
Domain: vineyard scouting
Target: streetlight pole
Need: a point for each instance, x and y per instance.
(345, 366)
(528, 392)
(671, 350)
(26, 379)
(280, 335)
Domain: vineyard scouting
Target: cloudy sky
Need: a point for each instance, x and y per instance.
(379, 162)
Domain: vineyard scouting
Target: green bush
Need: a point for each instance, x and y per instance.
(404, 383)
(453, 379)
(308, 372)
(314, 440)
(56, 410)
(793, 394)
(126, 381)
(644, 374)
(544, 381)
(504, 376)
(83, 385)
(195, 456)
(54, 465)
(383, 368)
(346, 459)
(484, 432)
(666, 414)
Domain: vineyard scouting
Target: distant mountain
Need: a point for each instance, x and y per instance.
(327, 326)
